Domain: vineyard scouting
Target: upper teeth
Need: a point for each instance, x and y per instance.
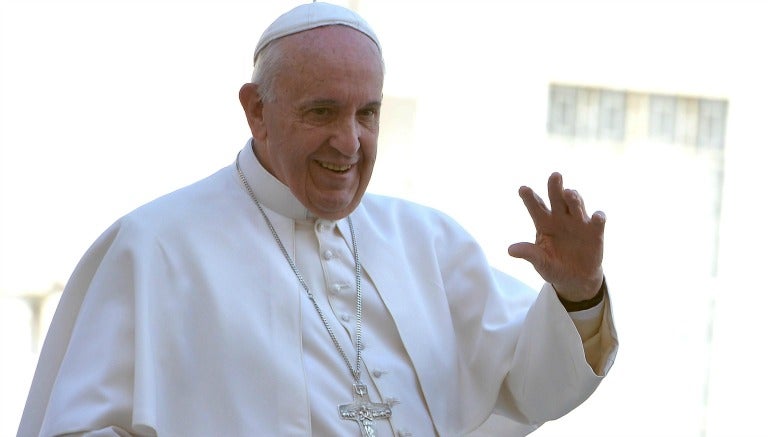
(335, 167)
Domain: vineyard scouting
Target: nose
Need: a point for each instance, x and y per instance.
(346, 136)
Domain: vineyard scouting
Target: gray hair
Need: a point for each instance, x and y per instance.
(265, 69)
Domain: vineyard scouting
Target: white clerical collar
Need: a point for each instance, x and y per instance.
(272, 193)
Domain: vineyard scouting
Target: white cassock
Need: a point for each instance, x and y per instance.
(184, 319)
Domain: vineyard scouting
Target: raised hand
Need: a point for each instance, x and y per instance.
(568, 251)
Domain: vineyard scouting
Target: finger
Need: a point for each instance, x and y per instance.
(526, 251)
(555, 191)
(534, 204)
(575, 204)
(598, 221)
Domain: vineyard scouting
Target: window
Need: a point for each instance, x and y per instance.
(711, 132)
(586, 113)
(612, 115)
(662, 112)
(597, 114)
(562, 110)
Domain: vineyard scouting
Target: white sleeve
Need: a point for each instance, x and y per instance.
(550, 362)
(589, 322)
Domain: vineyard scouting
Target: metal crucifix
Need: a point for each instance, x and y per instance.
(363, 411)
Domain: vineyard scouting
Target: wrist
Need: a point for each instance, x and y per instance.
(572, 306)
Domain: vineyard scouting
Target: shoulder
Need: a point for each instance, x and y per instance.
(199, 202)
(197, 211)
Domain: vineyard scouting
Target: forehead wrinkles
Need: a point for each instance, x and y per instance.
(331, 50)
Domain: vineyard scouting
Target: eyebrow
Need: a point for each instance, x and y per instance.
(376, 103)
(332, 102)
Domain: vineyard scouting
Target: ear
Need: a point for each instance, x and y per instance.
(254, 110)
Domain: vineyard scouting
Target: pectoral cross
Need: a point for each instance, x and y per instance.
(363, 411)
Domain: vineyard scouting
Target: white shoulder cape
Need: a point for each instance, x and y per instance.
(182, 319)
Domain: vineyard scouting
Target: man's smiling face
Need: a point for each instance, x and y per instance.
(319, 134)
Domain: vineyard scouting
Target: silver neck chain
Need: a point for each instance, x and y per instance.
(355, 371)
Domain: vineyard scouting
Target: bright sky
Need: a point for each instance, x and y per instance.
(105, 105)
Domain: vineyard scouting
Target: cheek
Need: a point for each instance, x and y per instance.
(289, 147)
(294, 164)
(370, 149)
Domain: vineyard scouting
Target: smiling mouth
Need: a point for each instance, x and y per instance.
(334, 167)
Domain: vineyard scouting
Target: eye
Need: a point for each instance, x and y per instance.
(368, 114)
(318, 114)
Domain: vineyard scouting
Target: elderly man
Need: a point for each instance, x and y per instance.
(275, 297)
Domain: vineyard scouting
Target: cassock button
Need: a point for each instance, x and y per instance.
(377, 373)
(345, 317)
(322, 226)
(328, 255)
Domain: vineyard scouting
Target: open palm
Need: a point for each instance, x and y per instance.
(568, 251)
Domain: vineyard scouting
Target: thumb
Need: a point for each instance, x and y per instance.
(526, 251)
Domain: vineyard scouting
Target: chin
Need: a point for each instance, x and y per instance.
(336, 208)
(334, 213)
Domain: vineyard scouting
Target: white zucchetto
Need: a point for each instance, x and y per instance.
(309, 16)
